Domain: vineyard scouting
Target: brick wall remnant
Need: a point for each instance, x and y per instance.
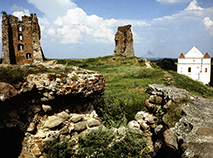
(21, 40)
(124, 41)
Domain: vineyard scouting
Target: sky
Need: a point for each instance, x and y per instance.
(86, 28)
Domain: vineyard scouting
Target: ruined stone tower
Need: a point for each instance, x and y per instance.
(124, 41)
(21, 40)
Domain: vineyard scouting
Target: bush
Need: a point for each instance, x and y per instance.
(167, 64)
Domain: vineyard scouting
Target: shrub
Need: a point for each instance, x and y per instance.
(167, 64)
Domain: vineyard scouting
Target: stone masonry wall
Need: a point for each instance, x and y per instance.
(20, 40)
(44, 108)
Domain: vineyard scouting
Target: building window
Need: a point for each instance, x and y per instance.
(189, 69)
(20, 29)
(206, 69)
(20, 37)
(20, 47)
(28, 55)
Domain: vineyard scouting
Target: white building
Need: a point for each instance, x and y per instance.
(195, 65)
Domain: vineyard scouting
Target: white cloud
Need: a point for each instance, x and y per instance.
(19, 14)
(173, 1)
(208, 24)
(51, 31)
(19, 11)
(76, 27)
(193, 6)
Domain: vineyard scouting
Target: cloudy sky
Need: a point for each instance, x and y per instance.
(86, 28)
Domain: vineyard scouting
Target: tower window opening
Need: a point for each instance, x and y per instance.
(28, 55)
(20, 37)
(206, 70)
(189, 69)
(20, 29)
(20, 47)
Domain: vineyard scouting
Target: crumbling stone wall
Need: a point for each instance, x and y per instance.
(45, 97)
(124, 41)
(21, 40)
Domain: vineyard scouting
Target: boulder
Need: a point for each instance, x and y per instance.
(46, 108)
(170, 139)
(93, 122)
(80, 126)
(76, 118)
(155, 99)
(53, 121)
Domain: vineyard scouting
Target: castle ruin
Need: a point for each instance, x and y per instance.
(21, 40)
(124, 42)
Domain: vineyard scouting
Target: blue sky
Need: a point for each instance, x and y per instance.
(86, 28)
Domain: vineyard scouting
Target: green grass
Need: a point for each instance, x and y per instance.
(126, 80)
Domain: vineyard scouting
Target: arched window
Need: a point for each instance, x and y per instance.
(206, 70)
(28, 55)
(20, 47)
(189, 69)
(20, 37)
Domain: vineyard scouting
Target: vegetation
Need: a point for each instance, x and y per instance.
(98, 143)
(167, 64)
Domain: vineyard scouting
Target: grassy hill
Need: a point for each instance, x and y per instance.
(126, 81)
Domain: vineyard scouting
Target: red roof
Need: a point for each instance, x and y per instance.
(206, 56)
(181, 56)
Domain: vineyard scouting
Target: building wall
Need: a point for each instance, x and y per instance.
(196, 68)
(21, 42)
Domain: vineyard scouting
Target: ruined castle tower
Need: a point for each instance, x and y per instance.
(124, 41)
(21, 40)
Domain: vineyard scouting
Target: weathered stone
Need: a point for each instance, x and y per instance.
(143, 124)
(7, 91)
(133, 125)
(53, 121)
(150, 106)
(124, 41)
(25, 36)
(168, 104)
(150, 118)
(51, 136)
(170, 139)
(93, 122)
(64, 130)
(139, 115)
(64, 115)
(169, 92)
(76, 118)
(31, 127)
(46, 108)
(80, 126)
(155, 99)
